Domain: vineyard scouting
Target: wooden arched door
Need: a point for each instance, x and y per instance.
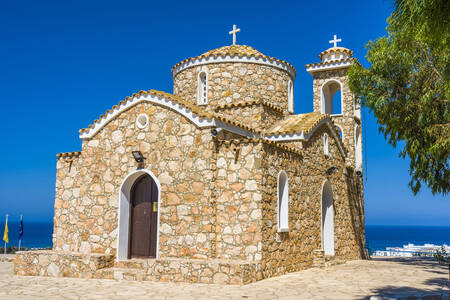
(143, 218)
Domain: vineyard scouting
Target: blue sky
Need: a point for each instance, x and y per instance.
(64, 63)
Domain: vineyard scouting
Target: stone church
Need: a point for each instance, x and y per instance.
(218, 182)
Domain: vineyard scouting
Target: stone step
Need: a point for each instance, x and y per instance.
(122, 274)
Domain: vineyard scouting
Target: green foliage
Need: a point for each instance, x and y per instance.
(407, 87)
(442, 256)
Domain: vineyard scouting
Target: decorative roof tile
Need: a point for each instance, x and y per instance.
(297, 124)
(233, 51)
(249, 103)
(350, 60)
(68, 154)
(199, 111)
(336, 50)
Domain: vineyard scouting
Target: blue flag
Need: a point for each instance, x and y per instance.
(21, 228)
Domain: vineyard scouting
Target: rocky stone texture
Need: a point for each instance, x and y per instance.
(347, 122)
(234, 82)
(219, 198)
(60, 264)
(257, 116)
(292, 251)
(69, 264)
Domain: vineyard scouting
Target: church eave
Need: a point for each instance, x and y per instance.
(196, 114)
(330, 65)
(68, 154)
(219, 58)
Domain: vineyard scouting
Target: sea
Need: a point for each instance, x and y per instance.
(378, 237)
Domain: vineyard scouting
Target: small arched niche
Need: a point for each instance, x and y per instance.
(331, 98)
(358, 148)
(283, 202)
(202, 88)
(291, 96)
(327, 219)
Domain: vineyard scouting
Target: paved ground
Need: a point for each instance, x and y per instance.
(353, 280)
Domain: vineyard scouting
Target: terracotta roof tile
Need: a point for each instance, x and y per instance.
(249, 103)
(336, 49)
(297, 124)
(199, 111)
(68, 154)
(352, 59)
(233, 50)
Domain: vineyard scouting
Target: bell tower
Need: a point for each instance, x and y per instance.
(332, 96)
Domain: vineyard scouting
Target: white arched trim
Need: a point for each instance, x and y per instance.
(168, 103)
(202, 87)
(358, 149)
(291, 96)
(330, 65)
(282, 65)
(326, 149)
(340, 129)
(322, 97)
(123, 229)
(283, 202)
(327, 217)
(305, 137)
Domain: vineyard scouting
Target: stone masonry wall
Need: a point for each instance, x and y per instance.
(233, 82)
(291, 251)
(177, 153)
(202, 189)
(346, 121)
(238, 190)
(257, 116)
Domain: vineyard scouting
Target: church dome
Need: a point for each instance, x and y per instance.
(237, 53)
(234, 75)
(239, 50)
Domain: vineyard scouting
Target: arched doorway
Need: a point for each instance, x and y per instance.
(327, 219)
(143, 218)
(136, 183)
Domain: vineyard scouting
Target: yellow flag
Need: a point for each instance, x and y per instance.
(5, 235)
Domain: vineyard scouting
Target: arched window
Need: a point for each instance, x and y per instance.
(291, 96)
(340, 132)
(331, 102)
(358, 148)
(325, 144)
(202, 88)
(283, 202)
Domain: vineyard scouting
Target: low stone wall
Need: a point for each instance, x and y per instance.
(185, 270)
(101, 266)
(60, 264)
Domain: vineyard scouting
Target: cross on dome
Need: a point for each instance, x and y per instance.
(233, 32)
(334, 41)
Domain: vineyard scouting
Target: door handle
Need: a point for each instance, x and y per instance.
(155, 206)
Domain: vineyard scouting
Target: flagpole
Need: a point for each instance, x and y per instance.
(20, 240)
(5, 227)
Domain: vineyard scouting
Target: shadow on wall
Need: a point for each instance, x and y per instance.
(357, 214)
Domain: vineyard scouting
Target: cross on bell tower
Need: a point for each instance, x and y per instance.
(233, 32)
(334, 41)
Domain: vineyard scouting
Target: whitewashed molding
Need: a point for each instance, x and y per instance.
(142, 121)
(200, 122)
(305, 137)
(329, 65)
(233, 59)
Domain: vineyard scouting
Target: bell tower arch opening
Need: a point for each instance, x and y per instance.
(331, 98)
